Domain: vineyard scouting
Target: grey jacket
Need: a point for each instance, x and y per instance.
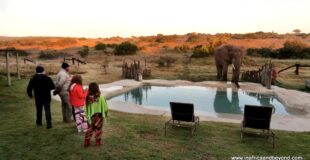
(63, 80)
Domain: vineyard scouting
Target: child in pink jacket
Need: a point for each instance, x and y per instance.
(77, 99)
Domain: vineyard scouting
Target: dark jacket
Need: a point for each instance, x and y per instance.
(42, 86)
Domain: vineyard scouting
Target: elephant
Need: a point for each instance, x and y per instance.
(226, 55)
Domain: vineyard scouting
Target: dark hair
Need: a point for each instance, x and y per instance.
(39, 69)
(93, 93)
(64, 65)
(75, 79)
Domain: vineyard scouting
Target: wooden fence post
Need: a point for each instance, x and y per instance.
(17, 66)
(8, 68)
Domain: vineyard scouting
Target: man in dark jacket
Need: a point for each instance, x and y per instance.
(42, 86)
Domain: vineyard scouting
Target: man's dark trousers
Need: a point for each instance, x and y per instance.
(47, 110)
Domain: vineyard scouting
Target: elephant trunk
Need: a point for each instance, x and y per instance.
(233, 67)
(236, 71)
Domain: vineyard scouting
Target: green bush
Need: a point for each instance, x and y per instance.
(100, 46)
(113, 45)
(262, 52)
(126, 48)
(84, 52)
(200, 51)
(293, 49)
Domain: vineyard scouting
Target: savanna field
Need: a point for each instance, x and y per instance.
(133, 136)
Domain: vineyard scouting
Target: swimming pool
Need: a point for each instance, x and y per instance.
(205, 99)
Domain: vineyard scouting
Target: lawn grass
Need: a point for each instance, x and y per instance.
(127, 136)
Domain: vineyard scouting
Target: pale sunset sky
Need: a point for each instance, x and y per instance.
(106, 18)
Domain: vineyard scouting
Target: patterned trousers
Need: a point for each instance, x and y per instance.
(80, 119)
(95, 126)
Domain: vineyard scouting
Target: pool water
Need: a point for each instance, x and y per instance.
(204, 99)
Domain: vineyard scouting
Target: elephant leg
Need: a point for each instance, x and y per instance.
(235, 78)
(237, 84)
(225, 70)
(219, 69)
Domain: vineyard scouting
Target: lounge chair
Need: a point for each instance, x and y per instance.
(182, 116)
(258, 117)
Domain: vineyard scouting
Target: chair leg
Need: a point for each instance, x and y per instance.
(165, 128)
(166, 124)
(197, 120)
(193, 130)
(273, 139)
(241, 129)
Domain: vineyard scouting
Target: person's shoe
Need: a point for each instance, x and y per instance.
(98, 142)
(49, 127)
(39, 125)
(86, 142)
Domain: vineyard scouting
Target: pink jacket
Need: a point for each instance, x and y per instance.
(77, 95)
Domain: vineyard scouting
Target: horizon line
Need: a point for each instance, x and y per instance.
(90, 37)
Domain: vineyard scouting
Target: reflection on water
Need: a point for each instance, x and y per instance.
(137, 94)
(223, 105)
(263, 99)
(204, 99)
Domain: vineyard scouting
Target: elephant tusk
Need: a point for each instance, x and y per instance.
(233, 66)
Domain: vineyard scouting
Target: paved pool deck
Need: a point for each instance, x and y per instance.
(296, 102)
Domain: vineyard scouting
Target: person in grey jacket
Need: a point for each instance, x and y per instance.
(63, 80)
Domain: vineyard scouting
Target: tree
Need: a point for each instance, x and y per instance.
(292, 49)
(297, 31)
(193, 37)
(84, 52)
(100, 46)
(126, 48)
(160, 38)
(200, 51)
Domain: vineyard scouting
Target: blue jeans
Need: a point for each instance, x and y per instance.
(47, 110)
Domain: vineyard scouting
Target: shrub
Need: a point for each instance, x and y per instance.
(126, 48)
(166, 61)
(292, 49)
(84, 52)
(193, 37)
(262, 52)
(182, 48)
(100, 46)
(51, 54)
(160, 38)
(113, 45)
(200, 51)
(20, 52)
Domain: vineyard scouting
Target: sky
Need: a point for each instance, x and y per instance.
(126, 18)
